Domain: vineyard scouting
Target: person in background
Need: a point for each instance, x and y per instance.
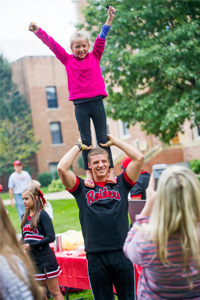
(37, 233)
(17, 183)
(103, 212)
(165, 239)
(16, 269)
(138, 191)
(85, 83)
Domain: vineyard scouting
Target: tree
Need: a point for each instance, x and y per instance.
(152, 56)
(17, 139)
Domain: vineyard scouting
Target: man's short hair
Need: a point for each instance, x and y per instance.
(97, 151)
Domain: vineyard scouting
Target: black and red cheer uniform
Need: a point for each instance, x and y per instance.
(40, 252)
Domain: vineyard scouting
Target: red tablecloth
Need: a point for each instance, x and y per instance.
(74, 270)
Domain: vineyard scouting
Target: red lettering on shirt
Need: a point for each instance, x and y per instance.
(93, 196)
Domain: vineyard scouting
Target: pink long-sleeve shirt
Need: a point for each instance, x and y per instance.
(84, 75)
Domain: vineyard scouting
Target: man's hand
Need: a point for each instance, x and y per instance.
(33, 27)
(12, 202)
(83, 146)
(110, 141)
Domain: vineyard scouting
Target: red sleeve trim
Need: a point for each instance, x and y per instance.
(128, 179)
(136, 196)
(75, 187)
(142, 172)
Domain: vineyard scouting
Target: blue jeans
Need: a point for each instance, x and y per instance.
(20, 205)
(92, 110)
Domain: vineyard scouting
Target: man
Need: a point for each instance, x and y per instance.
(17, 183)
(138, 191)
(103, 213)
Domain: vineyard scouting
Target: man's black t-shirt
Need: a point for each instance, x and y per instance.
(103, 213)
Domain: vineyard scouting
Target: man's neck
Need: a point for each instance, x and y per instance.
(101, 179)
(18, 172)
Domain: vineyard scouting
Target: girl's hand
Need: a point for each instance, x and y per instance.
(150, 198)
(111, 15)
(111, 12)
(26, 247)
(33, 27)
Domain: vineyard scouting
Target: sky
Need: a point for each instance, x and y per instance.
(56, 17)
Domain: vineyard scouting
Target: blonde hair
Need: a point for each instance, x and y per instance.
(35, 195)
(177, 211)
(10, 248)
(35, 183)
(79, 34)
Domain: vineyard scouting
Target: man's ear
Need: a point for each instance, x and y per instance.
(89, 165)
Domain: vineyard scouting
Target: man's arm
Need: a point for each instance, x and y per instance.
(134, 168)
(67, 177)
(11, 197)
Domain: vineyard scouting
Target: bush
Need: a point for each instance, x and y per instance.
(55, 175)
(44, 178)
(56, 186)
(195, 166)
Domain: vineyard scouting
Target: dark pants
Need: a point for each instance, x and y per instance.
(92, 110)
(108, 268)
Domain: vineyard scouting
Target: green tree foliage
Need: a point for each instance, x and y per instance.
(152, 56)
(17, 139)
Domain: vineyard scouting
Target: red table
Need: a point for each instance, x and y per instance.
(74, 270)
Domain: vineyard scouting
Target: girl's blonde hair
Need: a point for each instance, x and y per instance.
(11, 249)
(79, 34)
(177, 211)
(35, 195)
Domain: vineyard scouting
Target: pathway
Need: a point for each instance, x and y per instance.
(51, 196)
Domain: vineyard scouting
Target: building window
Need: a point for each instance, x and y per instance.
(56, 133)
(123, 129)
(107, 126)
(51, 96)
(196, 132)
(53, 167)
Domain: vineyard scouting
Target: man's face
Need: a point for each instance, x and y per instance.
(18, 168)
(99, 165)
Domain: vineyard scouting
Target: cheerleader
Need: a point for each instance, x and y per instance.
(37, 233)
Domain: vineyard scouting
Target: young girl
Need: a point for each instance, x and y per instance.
(85, 83)
(37, 233)
(17, 270)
